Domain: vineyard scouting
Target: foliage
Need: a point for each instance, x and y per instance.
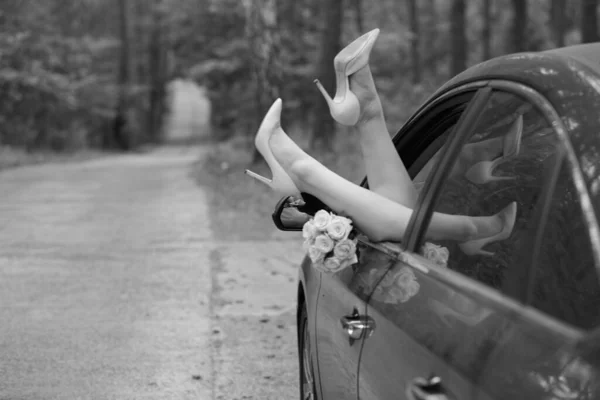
(60, 61)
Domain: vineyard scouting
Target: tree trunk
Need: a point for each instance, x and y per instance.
(157, 60)
(558, 11)
(519, 40)
(589, 21)
(413, 15)
(323, 125)
(432, 32)
(119, 136)
(265, 44)
(486, 35)
(459, 37)
(358, 15)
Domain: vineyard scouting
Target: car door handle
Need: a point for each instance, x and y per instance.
(426, 389)
(357, 325)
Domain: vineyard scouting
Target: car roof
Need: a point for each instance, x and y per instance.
(588, 54)
(569, 78)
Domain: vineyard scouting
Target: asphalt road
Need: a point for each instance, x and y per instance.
(112, 287)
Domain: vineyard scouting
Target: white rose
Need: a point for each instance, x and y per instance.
(413, 288)
(307, 243)
(321, 219)
(338, 228)
(323, 243)
(396, 294)
(315, 255)
(345, 249)
(437, 254)
(405, 277)
(309, 230)
(332, 264)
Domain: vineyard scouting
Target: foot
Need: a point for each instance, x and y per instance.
(480, 159)
(345, 107)
(363, 86)
(281, 181)
(491, 229)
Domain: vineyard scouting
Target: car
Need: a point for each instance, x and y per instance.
(522, 322)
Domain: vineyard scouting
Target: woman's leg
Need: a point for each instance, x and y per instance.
(378, 217)
(386, 173)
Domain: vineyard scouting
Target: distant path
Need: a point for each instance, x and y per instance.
(189, 116)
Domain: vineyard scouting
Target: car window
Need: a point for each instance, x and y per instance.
(507, 159)
(565, 282)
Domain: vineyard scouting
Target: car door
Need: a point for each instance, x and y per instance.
(467, 321)
(537, 357)
(342, 299)
(409, 343)
(340, 307)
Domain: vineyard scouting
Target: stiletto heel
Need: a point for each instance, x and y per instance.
(508, 216)
(344, 107)
(281, 181)
(482, 172)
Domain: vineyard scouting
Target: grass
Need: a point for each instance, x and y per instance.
(12, 157)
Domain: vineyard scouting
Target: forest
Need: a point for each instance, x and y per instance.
(92, 73)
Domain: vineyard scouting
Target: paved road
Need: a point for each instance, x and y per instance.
(112, 287)
(104, 284)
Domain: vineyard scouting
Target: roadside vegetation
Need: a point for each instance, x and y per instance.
(79, 78)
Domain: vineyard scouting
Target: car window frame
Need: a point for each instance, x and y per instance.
(415, 236)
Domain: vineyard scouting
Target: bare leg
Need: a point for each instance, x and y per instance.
(385, 170)
(377, 216)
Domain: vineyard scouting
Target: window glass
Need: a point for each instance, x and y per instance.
(566, 284)
(501, 169)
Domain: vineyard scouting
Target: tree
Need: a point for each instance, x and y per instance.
(557, 21)
(265, 44)
(486, 34)
(126, 77)
(358, 15)
(589, 21)
(413, 15)
(431, 53)
(157, 70)
(519, 26)
(323, 125)
(458, 37)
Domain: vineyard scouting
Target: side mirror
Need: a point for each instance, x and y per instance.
(287, 217)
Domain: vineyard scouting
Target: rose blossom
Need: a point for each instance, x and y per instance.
(438, 254)
(397, 294)
(332, 264)
(309, 230)
(316, 256)
(321, 220)
(338, 228)
(404, 277)
(413, 288)
(323, 243)
(344, 249)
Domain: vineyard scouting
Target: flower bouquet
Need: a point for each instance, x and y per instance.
(329, 241)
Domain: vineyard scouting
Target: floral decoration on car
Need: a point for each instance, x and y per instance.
(329, 241)
(438, 254)
(397, 286)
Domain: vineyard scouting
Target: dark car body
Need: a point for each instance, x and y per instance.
(517, 325)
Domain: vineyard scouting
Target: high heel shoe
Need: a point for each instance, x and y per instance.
(482, 172)
(281, 181)
(508, 216)
(344, 107)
